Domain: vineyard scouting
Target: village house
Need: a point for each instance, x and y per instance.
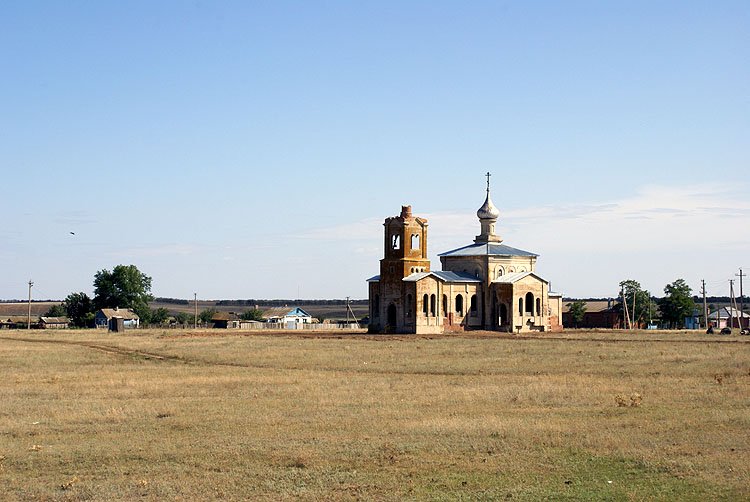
(103, 317)
(285, 315)
(54, 322)
(484, 285)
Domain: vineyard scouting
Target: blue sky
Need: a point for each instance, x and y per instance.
(253, 149)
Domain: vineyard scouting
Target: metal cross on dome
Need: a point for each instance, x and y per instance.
(488, 181)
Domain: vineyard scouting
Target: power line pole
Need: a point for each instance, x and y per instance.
(732, 304)
(705, 307)
(195, 319)
(742, 302)
(28, 324)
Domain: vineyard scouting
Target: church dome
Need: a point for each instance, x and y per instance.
(488, 211)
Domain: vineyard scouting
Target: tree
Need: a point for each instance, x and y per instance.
(252, 315)
(183, 318)
(576, 310)
(125, 286)
(56, 311)
(158, 315)
(206, 315)
(677, 303)
(644, 308)
(80, 309)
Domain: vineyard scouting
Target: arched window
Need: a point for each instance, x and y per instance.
(459, 305)
(408, 305)
(473, 304)
(529, 303)
(376, 306)
(432, 305)
(415, 241)
(424, 305)
(445, 305)
(500, 272)
(520, 306)
(538, 306)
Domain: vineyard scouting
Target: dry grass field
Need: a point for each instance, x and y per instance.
(166, 415)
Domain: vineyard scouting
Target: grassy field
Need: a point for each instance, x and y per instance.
(165, 415)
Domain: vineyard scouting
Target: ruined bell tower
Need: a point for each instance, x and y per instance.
(405, 246)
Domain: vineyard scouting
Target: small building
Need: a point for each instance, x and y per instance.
(54, 322)
(284, 315)
(103, 317)
(226, 320)
(725, 317)
(16, 322)
(598, 314)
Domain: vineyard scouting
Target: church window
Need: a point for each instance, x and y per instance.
(500, 271)
(459, 305)
(415, 241)
(432, 305)
(520, 306)
(529, 303)
(445, 305)
(424, 305)
(473, 304)
(396, 241)
(538, 306)
(408, 305)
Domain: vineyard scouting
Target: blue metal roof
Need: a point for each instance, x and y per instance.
(374, 278)
(487, 249)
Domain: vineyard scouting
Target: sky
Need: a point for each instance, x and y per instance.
(252, 149)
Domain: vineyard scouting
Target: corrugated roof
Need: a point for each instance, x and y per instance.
(515, 277)
(124, 313)
(55, 320)
(374, 278)
(488, 249)
(443, 276)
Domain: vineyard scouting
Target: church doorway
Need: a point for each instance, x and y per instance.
(392, 316)
(503, 318)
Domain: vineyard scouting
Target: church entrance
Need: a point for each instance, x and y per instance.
(391, 316)
(503, 319)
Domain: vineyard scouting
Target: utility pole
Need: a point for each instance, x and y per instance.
(732, 303)
(705, 307)
(625, 307)
(195, 319)
(742, 302)
(28, 325)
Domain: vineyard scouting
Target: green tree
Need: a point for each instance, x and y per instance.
(577, 309)
(252, 315)
(80, 309)
(158, 315)
(56, 311)
(206, 315)
(677, 303)
(645, 309)
(125, 286)
(183, 318)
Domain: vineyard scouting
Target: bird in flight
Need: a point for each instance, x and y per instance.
(72, 233)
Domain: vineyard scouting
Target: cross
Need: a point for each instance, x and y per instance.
(488, 181)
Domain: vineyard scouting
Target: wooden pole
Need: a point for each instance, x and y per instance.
(28, 324)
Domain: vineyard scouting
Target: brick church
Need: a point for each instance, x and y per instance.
(485, 285)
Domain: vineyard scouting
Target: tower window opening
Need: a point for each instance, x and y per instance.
(396, 241)
(459, 305)
(415, 241)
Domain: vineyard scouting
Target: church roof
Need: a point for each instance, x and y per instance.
(487, 249)
(443, 276)
(515, 277)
